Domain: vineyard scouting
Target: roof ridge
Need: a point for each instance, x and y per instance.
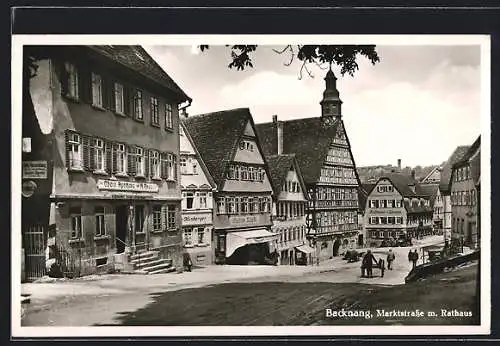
(288, 120)
(219, 112)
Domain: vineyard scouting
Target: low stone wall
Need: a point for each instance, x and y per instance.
(427, 269)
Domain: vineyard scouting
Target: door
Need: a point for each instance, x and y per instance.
(34, 251)
(121, 218)
(336, 246)
(360, 240)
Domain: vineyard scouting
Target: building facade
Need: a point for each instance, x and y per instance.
(228, 145)
(111, 156)
(323, 152)
(289, 210)
(394, 211)
(197, 202)
(464, 189)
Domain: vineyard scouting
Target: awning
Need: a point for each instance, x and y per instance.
(235, 240)
(305, 248)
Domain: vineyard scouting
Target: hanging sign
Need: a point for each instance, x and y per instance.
(116, 185)
(28, 188)
(34, 169)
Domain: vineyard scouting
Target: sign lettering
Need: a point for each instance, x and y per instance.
(238, 220)
(116, 185)
(197, 219)
(34, 169)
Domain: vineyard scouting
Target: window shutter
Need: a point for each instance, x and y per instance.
(66, 138)
(183, 202)
(85, 84)
(126, 100)
(113, 157)
(164, 217)
(131, 160)
(174, 166)
(91, 153)
(105, 92)
(111, 94)
(86, 152)
(109, 157)
(61, 67)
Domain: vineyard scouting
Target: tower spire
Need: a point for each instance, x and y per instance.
(331, 103)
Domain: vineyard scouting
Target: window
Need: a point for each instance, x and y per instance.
(383, 220)
(139, 219)
(397, 203)
(251, 205)
(119, 102)
(156, 218)
(391, 220)
(473, 197)
(75, 151)
(201, 235)
(399, 220)
(264, 205)
(221, 206)
(139, 161)
(170, 167)
(96, 90)
(195, 167)
(230, 173)
(183, 165)
(138, 105)
(244, 173)
(242, 145)
(188, 236)
(255, 203)
(373, 220)
(390, 203)
(100, 226)
(121, 159)
(244, 205)
(168, 116)
(189, 200)
(76, 222)
(203, 200)
(171, 216)
(155, 164)
(99, 157)
(237, 172)
(72, 80)
(155, 116)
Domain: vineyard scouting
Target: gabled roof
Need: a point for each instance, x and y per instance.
(423, 181)
(414, 206)
(279, 165)
(362, 197)
(456, 156)
(216, 136)
(402, 183)
(428, 191)
(138, 60)
(198, 156)
(309, 139)
(473, 157)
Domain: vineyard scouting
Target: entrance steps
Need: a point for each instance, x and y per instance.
(149, 262)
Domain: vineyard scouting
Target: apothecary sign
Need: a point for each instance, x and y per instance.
(116, 185)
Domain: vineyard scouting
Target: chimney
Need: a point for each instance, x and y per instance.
(399, 164)
(279, 132)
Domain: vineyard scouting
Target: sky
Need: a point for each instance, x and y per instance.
(417, 104)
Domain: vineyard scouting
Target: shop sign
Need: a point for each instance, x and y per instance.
(197, 219)
(28, 188)
(386, 211)
(34, 169)
(240, 220)
(117, 185)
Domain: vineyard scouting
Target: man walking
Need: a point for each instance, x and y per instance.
(390, 258)
(414, 258)
(368, 261)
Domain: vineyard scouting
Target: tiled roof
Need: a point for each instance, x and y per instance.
(415, 207)
(427, 191)
(367, 187)
(402, 183)
(362, 197)
(137, 59)
(456, 156)
(216, 136)
(309, 139)
(279, 165)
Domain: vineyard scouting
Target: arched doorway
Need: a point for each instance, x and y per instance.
(336, 246)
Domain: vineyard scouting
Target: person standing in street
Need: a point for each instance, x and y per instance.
(368, 261)
(414, 258)
(381, 265)
(390, 258)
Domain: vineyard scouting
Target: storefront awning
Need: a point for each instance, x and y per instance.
(305, 248)
(235, 240)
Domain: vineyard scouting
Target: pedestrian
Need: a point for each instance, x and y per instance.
(381, 265)
(410, 256)
(390, 258)
(414, 258)
(368, 261)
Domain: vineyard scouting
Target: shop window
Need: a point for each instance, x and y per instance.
(155, 117)
(203, 200)
(75, 151)
(188, 236)
(168, 116)
(72, 81)
(100, 225)
(201, 235)
(156, 218)
(171, 224)
(139, 219)
(138, 105)
(96, 90)
(76, 222)
(119, 99)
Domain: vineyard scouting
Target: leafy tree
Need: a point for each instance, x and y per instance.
(344, 56)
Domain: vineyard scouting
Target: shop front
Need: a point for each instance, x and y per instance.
(197, 237)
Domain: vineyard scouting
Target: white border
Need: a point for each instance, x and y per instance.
(400, 40)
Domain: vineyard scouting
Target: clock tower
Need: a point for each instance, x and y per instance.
(331, 103)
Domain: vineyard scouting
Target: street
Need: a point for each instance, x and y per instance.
(235, 294)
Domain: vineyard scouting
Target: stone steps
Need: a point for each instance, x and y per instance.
(149, 262)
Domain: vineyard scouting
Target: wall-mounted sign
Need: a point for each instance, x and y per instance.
(116, 185)
(34, 169)
(197, 219)
(239, 220)
(386, 211)
(28, 188)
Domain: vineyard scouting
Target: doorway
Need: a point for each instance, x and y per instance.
(360, 240)
(336, 246)
(121, 218)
